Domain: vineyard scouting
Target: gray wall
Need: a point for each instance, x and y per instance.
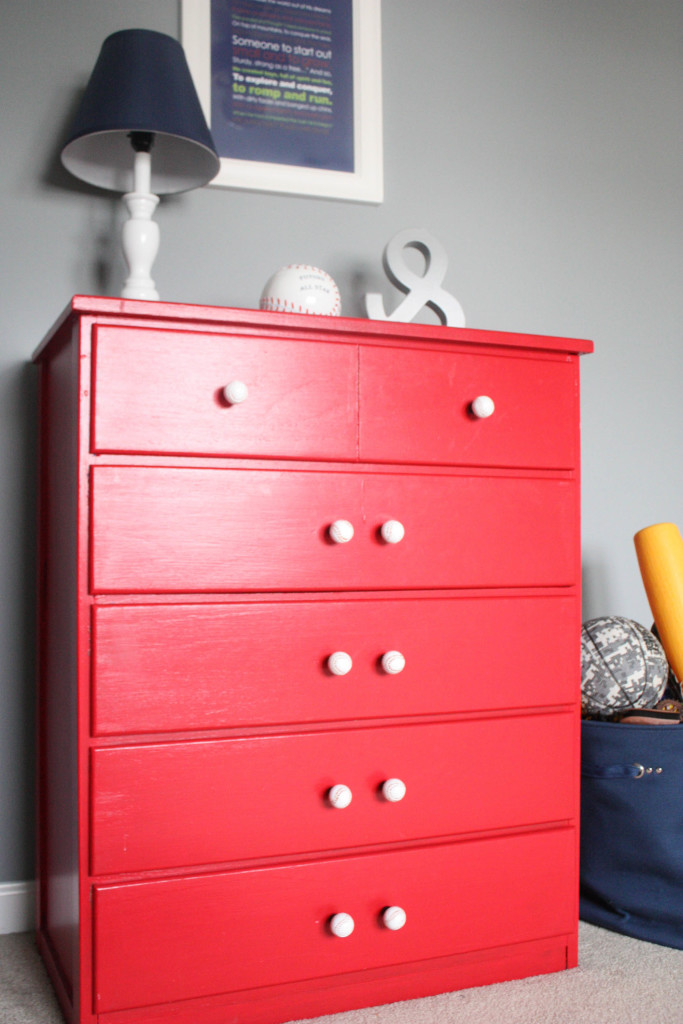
(540, 140)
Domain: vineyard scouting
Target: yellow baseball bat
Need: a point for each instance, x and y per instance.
(660, 556)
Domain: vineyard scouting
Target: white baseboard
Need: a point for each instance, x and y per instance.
(17, 907)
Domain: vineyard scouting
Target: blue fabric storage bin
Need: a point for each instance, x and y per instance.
(632, 829)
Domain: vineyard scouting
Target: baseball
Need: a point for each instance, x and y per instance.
(394, 790)
(392, 531)
(342, 925)
(340, 796)
(393, 662)
(340, 663)
(394, 918)
(301, 289)
(341, 531)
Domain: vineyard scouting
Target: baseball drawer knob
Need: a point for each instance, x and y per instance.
(340, 796)
(342, 925)
(392, 531)
(393, 662)
(393, 790)
(483, 407)
(341, 531)
(235, 392)
(340, 663)
(393, 918)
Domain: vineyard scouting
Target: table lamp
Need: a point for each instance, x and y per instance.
(140, 130)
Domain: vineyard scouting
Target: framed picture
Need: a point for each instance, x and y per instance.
(292, 92)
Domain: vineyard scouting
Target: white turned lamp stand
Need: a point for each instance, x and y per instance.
(140, 236)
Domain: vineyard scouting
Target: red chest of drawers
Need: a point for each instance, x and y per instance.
(309, 718)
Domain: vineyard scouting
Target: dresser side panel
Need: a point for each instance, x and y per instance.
(58, 902)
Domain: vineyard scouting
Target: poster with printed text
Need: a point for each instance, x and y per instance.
(282, 82)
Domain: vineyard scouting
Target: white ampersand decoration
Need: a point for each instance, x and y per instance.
(422, 290)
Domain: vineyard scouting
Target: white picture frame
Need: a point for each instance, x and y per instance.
(366, 182)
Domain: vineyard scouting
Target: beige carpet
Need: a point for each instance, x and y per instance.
(618, 981)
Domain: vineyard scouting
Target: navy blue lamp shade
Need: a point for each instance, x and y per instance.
(141, 93)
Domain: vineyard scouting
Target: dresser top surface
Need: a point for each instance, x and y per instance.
(196, 317)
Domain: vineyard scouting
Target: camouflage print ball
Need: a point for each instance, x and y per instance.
(623, 666)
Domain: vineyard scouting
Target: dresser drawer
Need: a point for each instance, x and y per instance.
(172, 530)
(162, 391)
(416, 406)
(200, 666)
(167, 940)
(200, 802)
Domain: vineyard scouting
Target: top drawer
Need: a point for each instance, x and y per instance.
(163, 392)
(416, 406)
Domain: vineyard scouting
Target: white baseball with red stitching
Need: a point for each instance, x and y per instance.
(299, 288)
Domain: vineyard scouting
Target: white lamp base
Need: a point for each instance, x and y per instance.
(140, 245)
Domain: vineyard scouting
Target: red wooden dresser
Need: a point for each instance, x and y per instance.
(310, 620)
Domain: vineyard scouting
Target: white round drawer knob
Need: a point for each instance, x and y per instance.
(342, 925)
(393, 662)
(340, 796)
(236, 392)
(394, 918)
(340, 663)
(392, 531)
(393, 790)
(341, 531)
(483, 407)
